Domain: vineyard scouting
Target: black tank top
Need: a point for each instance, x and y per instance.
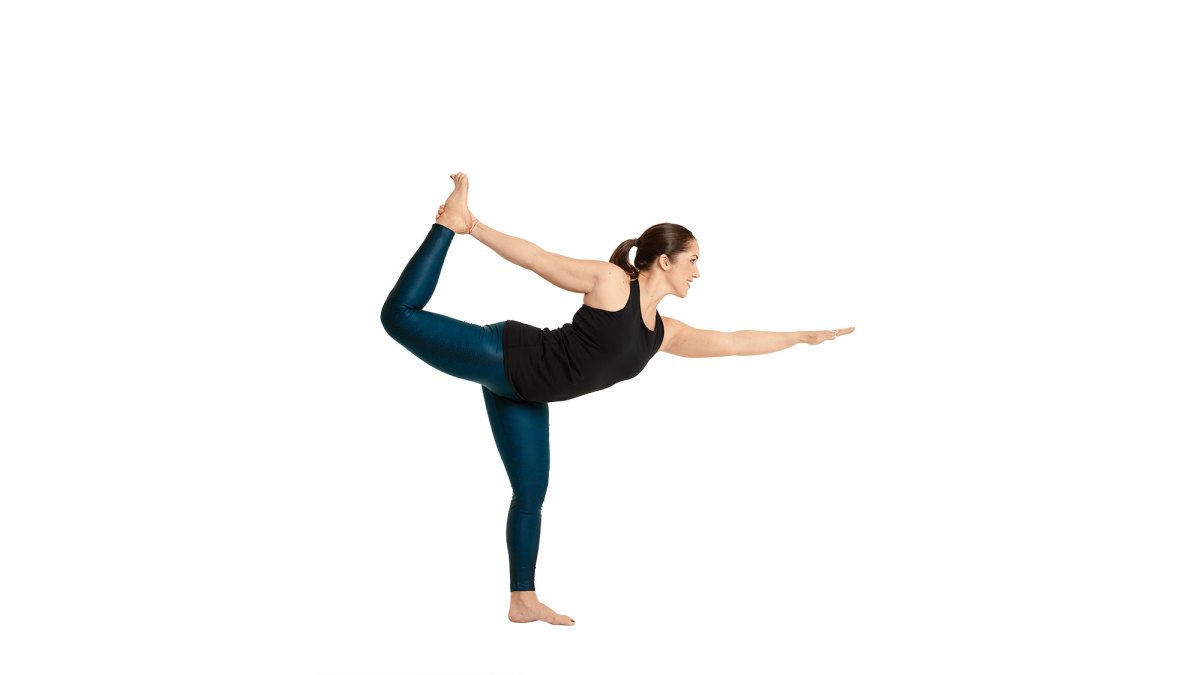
(596, 350)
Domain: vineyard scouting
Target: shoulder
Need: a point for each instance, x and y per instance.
(610, 280)
(608, 272)
(607, 276)
(611, 288)
(571, 274)
(671, 329)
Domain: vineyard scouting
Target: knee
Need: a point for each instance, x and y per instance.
(528, 499)
(394, 317)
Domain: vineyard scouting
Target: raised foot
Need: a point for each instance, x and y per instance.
(454, 214)
(532, 610)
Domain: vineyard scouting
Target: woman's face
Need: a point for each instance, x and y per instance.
(685, 268)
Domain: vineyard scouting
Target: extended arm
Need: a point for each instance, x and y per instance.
(683, 340)
(569, 274)
(513, 249)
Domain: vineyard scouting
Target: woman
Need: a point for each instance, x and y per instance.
(522, 368)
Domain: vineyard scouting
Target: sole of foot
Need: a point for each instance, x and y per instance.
(454, 214)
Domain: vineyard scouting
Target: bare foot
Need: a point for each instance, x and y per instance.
(525, 607)
(454, 214)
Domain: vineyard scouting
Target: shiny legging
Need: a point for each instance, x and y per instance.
(476, 353)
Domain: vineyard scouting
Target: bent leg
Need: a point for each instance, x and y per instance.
(465, 350)
(420, 275)
(522, 433)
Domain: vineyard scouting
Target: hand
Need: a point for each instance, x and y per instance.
(442, 209)
(816, 337)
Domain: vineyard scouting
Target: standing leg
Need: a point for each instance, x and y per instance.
(522, 433)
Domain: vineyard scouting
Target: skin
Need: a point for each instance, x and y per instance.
(523, 606)
(667, 275)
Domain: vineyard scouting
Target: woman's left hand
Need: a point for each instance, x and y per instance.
(816, 337)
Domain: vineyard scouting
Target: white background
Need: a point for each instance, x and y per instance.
(216, 461)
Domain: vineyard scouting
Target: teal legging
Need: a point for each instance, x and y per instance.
(476, 353)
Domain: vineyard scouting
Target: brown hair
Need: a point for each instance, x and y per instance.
(667, 238)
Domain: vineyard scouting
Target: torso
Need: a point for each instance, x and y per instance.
(599, 348)
(611, 294)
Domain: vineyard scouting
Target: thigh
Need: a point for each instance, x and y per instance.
(464, 350)
(522, 433)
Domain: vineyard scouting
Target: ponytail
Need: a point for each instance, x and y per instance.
(620, 257)
(667, 238)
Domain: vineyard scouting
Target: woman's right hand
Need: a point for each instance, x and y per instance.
(442, 209)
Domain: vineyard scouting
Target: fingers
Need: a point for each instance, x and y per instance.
(833, 334)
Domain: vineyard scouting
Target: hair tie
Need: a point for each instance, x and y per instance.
(636, 241)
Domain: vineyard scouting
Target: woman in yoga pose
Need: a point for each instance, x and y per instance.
(522, 368)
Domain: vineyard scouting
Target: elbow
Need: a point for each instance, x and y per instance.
(529, 261)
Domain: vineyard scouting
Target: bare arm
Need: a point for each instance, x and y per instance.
(513, 249)
(755, 342)
(569, 274)
(683, 340)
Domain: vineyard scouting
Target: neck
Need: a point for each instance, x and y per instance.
(651, 293)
